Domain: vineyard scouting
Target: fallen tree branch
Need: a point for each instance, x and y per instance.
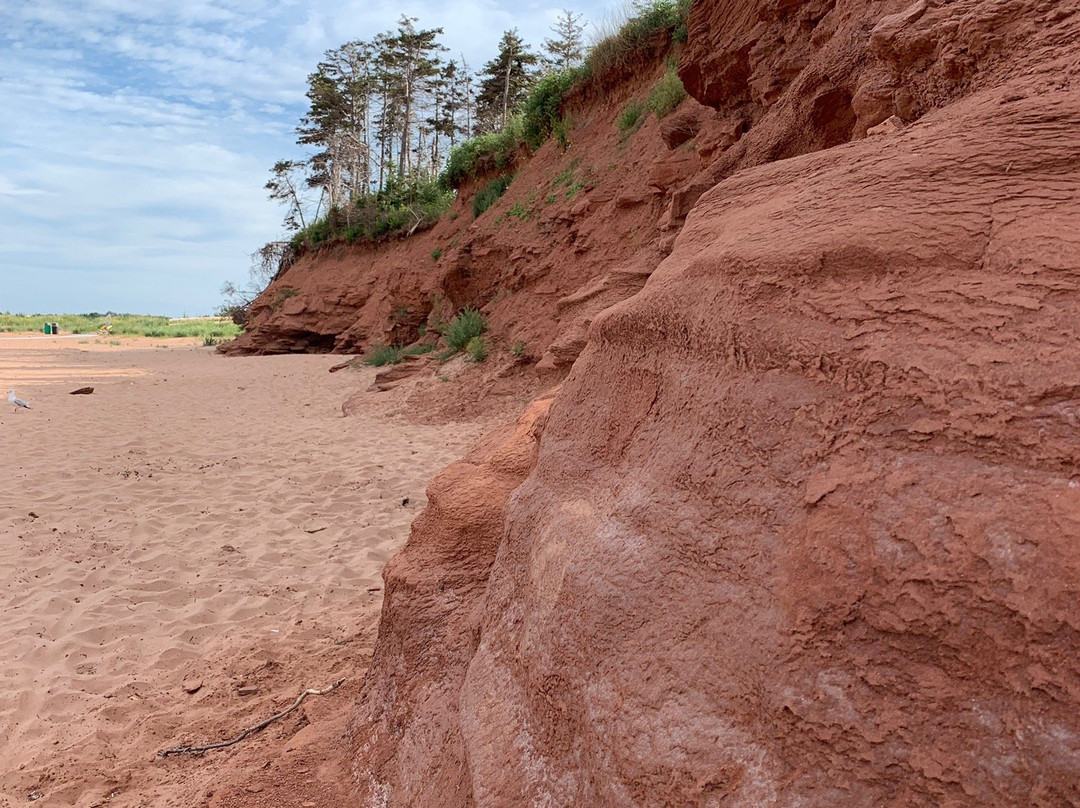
(180, 750)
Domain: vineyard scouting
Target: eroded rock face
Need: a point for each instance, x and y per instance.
(405, 734)
(803, 529)
(803, 525)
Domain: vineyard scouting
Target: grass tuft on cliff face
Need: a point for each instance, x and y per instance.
(489, 194)
(666, 94)
(630, 116)
(618, 48)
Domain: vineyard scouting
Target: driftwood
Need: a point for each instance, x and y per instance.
(180, 750)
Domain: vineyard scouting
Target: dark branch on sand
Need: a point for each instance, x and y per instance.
(180, 750)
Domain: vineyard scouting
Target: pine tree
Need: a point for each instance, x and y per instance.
(505, 82)
(414, 60)
(567, 49)
(284, 185)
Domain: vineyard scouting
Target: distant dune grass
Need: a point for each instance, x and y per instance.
(144, 325)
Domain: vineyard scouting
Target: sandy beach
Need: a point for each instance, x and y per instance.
(181, 554)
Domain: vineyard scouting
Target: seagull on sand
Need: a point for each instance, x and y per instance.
(18, 402)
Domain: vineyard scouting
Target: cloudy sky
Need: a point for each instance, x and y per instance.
(136, 135)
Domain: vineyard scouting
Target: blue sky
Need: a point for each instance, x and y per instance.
(136, 135)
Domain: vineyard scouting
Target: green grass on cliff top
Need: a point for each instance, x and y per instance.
(131, 324)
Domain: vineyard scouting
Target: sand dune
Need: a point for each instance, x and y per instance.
(196, 520)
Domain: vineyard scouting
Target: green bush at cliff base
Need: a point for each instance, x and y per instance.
(477, 349)
(467, 325)
(383, 355)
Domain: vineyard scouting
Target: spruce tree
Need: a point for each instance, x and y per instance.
(567, 48)
(504, 82)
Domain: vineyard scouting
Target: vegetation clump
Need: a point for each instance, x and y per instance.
(666, 94)
(381, 355)
(477, 349)
(618, 49)
(630, 117)
(470, 323)
(490, 193)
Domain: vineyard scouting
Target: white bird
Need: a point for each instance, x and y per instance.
(18, 402)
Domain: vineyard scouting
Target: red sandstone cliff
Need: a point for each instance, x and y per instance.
(801, 528)
(578, 230)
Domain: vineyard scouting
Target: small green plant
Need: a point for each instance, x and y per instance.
(630, 117)
(453, 216)
(444, 378)
(401, 314)
(566, 176)
(477, 348)
(419, 350)
(517, 350)
(489, 194)
(470, 323)
(383, 355)
(666, 94)
(436, 254)
(550, 199)
(572, 191)
(210, 341)
(518, 211)
(562, 134)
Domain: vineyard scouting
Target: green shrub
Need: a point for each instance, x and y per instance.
(467, 325)
(630, 116)
(518, 349)
(405, 204)
(488, 152)
(419, 350)
(383, 355)
(477, 348)
(436, 254)
(542, 110)
(489, 194)
(666, 94)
